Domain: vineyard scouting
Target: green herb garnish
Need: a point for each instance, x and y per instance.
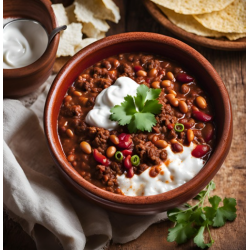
(178, 127)
(118, 156)
(135, 160)
(192, 222)
(138, 112)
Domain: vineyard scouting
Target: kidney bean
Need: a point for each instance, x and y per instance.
(187, 124)
(127, 162)
(137, 68)
(200, 151)
(208, 132)
(170, 126)
(126, 152)
(124, 141)
(100, 158)
(201, 116)
(176, 147)
(184, 78)
(130, 173)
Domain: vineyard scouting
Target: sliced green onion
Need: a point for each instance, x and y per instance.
(135, 160)
(118, 156)
(178, 127)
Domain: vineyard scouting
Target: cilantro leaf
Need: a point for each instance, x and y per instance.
(181, 232)
(141, 96)
(142, 121)
(138, 112)
(153, 94)
(172, 214)
(123, 113)
(152, 106)
(199, 239)
(226, 212)
(192, 222)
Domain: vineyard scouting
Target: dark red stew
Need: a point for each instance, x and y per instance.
(99, 155)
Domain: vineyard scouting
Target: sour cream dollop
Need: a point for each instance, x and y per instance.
(107, 99)
(177, 170)
(23, 43)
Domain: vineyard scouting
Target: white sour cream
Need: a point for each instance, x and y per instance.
(23, 43)
(107, 99)
(178, 169)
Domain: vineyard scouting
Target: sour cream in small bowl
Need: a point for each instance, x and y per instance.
(21, 77)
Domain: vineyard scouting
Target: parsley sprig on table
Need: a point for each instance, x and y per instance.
(192, 222)
(138, 112)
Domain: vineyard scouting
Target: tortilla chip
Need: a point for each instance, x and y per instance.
(231, 19)
(189, 7)
(91, 31)
(235, 36)
(69, 39)
(71, 14)
(60, 13)
(106, 9)
(84, 14)
(190, 24)
(85, 42)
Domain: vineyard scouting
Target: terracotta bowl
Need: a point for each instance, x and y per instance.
(22, 81)
(156, 44)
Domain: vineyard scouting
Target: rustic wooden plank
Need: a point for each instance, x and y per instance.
(230, 180)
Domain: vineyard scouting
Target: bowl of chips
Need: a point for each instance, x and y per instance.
(218, 24)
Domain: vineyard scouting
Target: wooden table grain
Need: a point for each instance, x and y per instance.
(230, 180)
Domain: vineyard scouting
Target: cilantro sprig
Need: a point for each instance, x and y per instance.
(192, 222)
(138, 112)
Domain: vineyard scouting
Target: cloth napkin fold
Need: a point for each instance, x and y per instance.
(34, 196)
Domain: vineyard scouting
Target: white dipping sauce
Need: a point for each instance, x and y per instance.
(181, 166)
(23, 43)
(107, 99)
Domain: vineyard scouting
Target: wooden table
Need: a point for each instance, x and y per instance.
(230, 180)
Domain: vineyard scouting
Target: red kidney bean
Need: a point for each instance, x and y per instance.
(100, 158)
(130, 173)
(184, 78)
(187, 124)
(170, 126)
(127, 163)
(176, 147)
(126, 152)
(200, 151)
(208, 132)
(148, 80)
(137, 68)
(201, 116)
(124, 141)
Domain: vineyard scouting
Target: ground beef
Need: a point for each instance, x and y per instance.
(70, 111)
(100, 141)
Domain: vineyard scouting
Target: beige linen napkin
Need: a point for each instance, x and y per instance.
(34, 196)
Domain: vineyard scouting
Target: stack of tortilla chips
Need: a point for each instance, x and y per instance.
(220, 18)
(86, 17)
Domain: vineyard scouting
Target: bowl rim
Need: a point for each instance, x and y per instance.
(43, 60)
(206, 173)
